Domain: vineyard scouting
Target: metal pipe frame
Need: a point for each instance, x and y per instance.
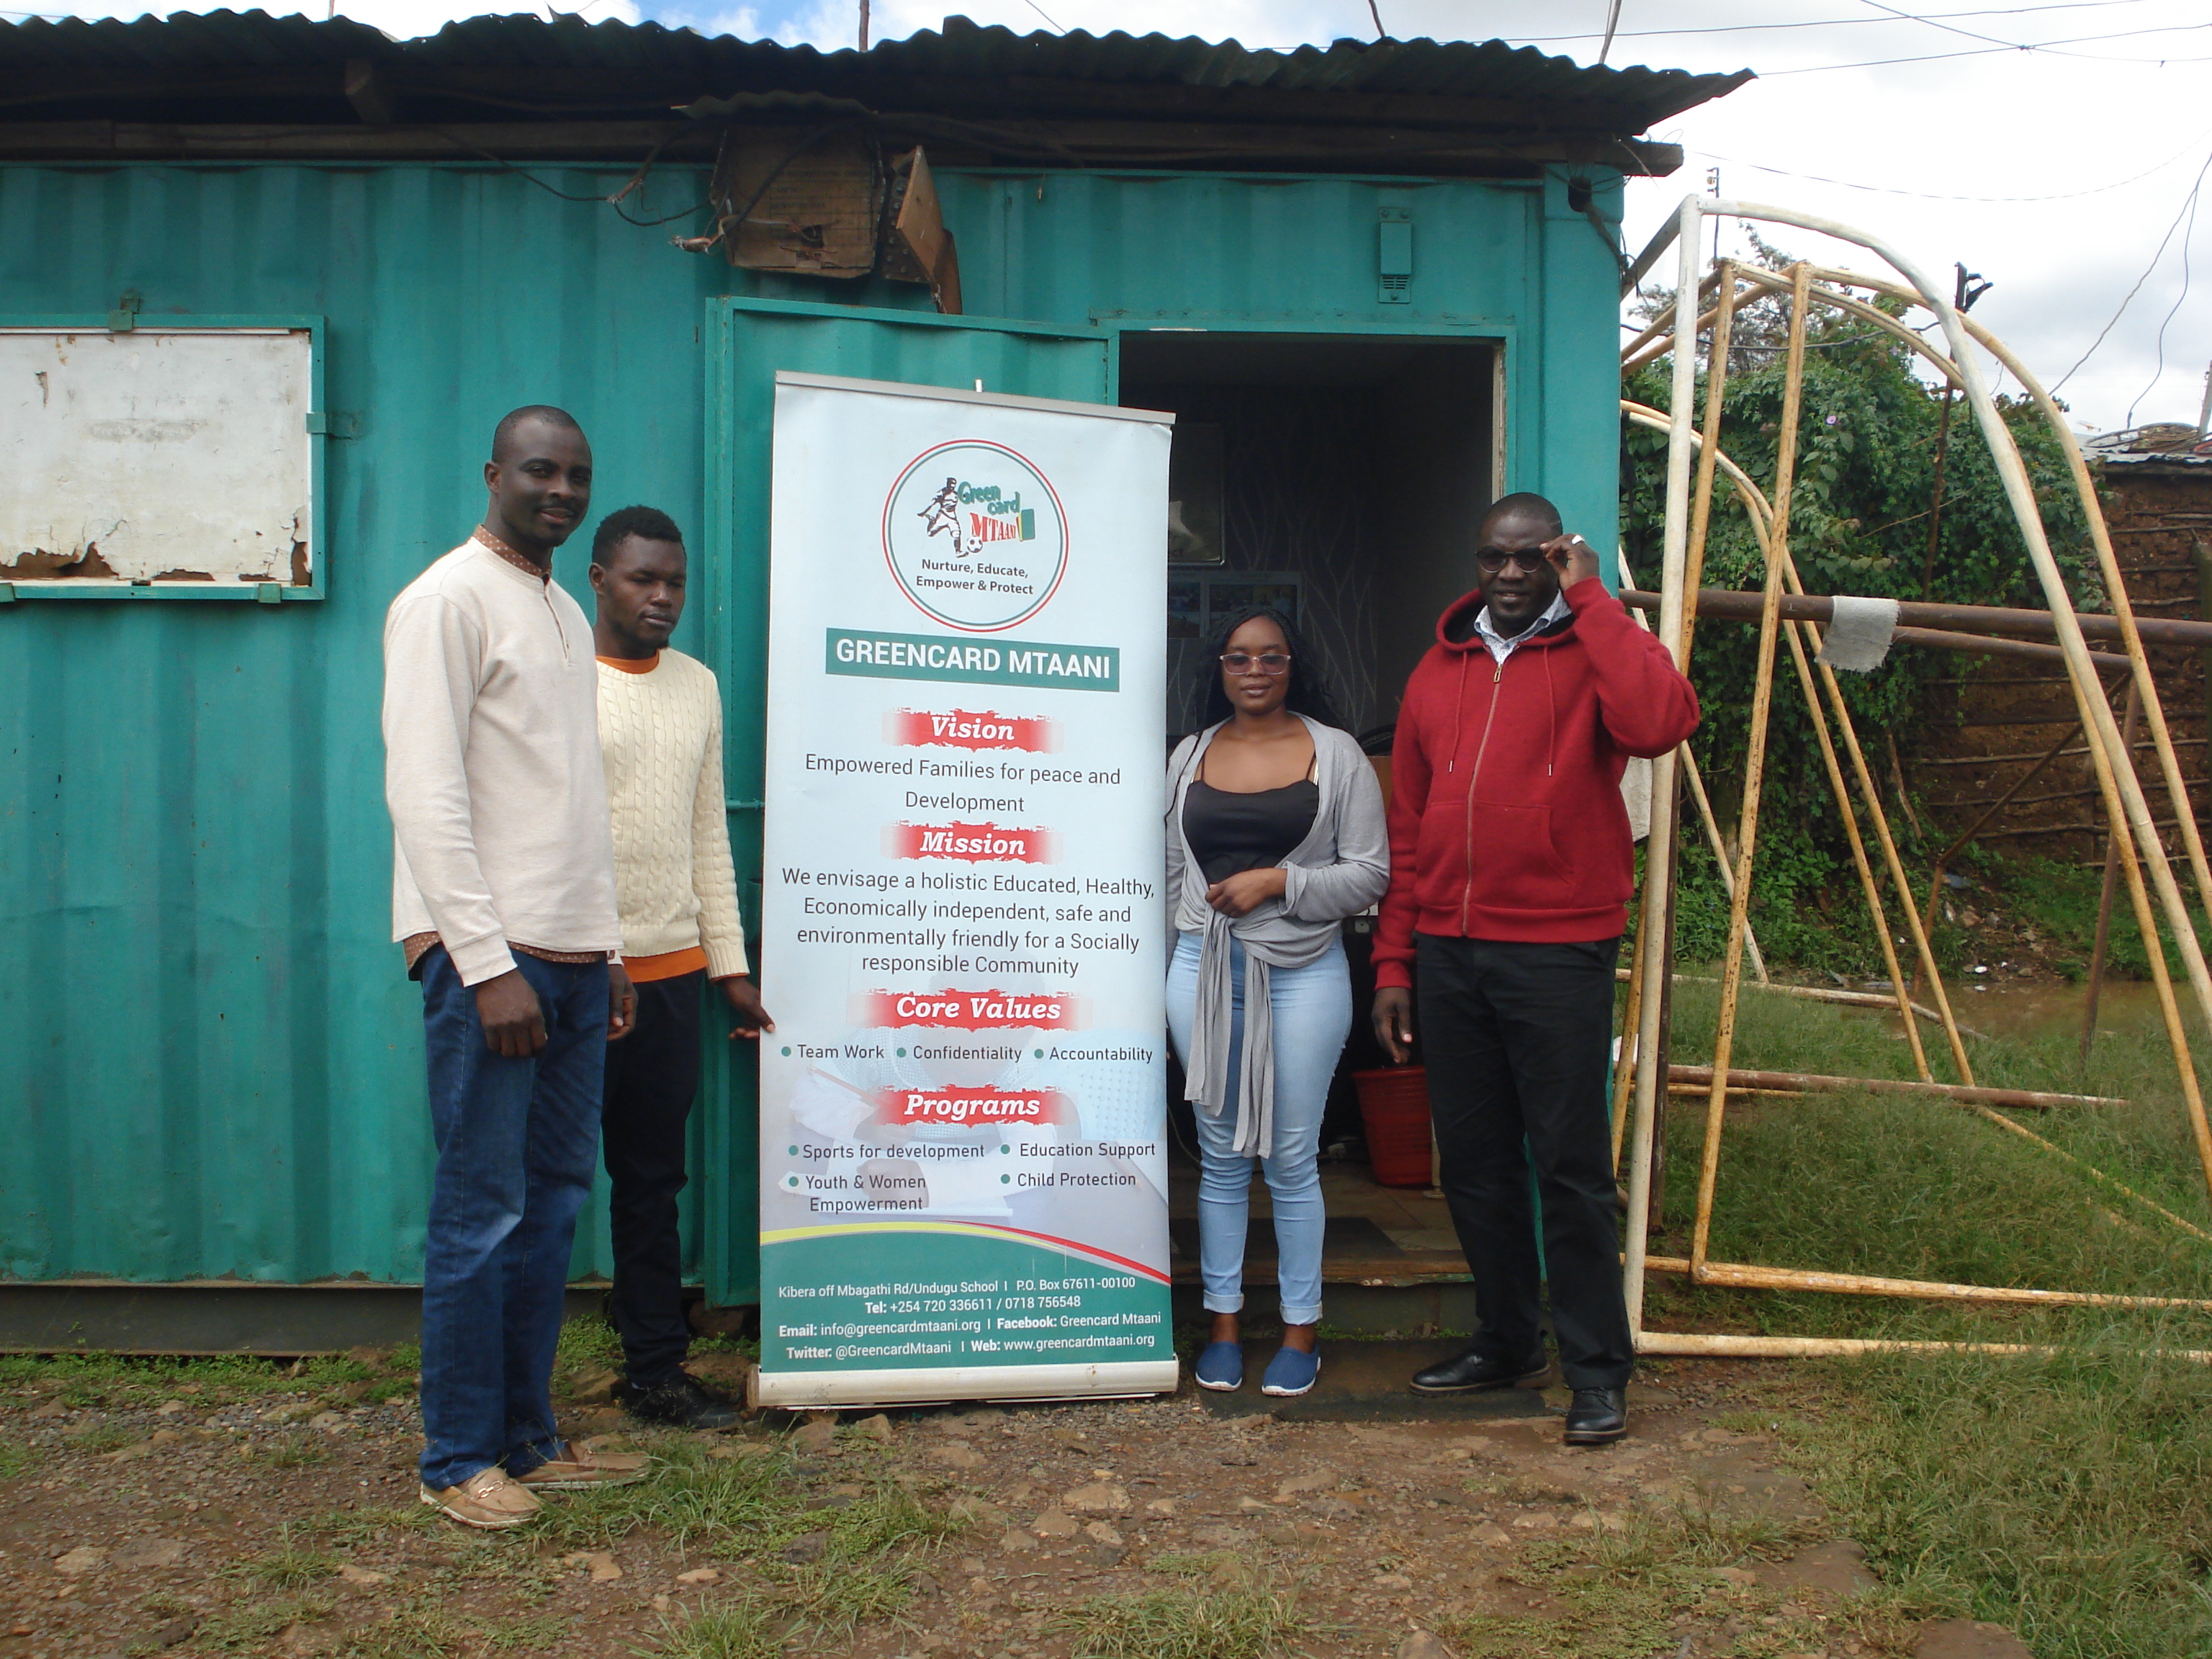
(2127, 808)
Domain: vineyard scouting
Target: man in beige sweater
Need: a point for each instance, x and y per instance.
(661, 732)
(504, 898)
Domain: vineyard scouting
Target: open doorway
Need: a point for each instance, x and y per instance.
(1342, 477)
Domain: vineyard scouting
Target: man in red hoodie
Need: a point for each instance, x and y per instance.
(1511, 866)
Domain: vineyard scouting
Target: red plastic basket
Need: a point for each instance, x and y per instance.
(1394, 1104)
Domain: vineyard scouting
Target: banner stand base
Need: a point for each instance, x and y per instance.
(996, 1385)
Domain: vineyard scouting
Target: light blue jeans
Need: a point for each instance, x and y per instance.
(1313, 1016)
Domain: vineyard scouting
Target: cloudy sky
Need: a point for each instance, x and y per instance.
(2057, 173)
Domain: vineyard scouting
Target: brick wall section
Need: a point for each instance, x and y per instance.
(1993, 717)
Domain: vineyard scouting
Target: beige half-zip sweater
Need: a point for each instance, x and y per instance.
(491, 768)
(661, 731)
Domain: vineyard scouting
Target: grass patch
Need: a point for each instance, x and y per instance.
(1622, 1590)
(836, 1597)
(828, 1601)
(748, 1507)
(106, 1438)
(302, 1449)
(89, 1378)
(346, 1527)
(253, 1627)
(15, 1460)
(288, 1567)
(1245, 1621)
(750, 1628)
(2071, 1496)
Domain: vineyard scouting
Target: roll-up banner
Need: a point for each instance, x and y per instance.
(963, 1184)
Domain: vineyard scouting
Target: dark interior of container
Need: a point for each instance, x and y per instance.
(1342, 476)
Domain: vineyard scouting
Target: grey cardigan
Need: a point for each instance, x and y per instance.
(1341, 867)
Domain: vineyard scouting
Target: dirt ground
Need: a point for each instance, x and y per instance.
(1359, 1520)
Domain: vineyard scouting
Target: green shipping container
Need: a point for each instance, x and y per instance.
(217, 1069)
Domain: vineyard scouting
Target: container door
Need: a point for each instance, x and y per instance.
(747, 342)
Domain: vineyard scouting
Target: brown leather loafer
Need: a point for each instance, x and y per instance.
(572, 1467)
(488, 1500)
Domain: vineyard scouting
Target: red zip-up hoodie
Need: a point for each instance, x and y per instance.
(1506, 820)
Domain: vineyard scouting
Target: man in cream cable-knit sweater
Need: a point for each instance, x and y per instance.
(661, 732)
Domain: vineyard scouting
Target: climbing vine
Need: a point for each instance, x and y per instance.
(1869, 435)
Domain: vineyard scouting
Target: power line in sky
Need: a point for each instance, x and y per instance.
(2187, 210)
(2189, 149)
(1827, 23)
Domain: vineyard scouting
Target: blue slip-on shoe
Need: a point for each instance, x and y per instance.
(1220, 1367)
(1291, 1372)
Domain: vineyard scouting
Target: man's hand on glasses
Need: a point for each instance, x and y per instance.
(1243, 662)
(1574, 559)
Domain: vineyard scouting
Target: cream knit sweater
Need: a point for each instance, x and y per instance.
(661, 734)
(491, 768)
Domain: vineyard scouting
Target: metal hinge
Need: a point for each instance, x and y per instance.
(335, 422)
(125, 316)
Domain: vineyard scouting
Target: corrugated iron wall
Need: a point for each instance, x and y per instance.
(216, 1065)
(220, 1072)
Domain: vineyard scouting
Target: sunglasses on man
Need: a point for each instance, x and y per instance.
(1527, 560)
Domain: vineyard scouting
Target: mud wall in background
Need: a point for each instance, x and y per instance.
(1990, 719)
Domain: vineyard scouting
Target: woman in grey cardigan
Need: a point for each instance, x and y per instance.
(1274, 834)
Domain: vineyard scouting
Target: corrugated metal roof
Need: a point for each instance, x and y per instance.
(1488, 69)
(187, 40)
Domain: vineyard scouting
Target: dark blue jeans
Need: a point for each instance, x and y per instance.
(518, 1140)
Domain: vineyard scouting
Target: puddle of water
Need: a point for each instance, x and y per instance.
(2026, 1010)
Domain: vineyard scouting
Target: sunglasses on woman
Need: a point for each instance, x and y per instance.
(1269, 662)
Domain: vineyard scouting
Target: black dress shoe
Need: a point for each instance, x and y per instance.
(1597, 1417)
(683, 1401)
(1471, 1372)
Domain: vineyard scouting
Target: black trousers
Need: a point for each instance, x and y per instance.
(653, 1075)
(1518, 1039)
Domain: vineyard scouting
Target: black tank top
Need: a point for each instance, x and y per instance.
(1229, 832)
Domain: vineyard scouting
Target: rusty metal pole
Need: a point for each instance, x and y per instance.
(1754, 765)
(2105, 899)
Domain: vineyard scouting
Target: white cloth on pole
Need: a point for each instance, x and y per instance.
(1858, 640)
(1636, 796)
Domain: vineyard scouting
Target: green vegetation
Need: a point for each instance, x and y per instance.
(253, 1624)
(126, 1382)
(1869, 435)
(2069, 1496)
(747, 1628)
(1620, 1593)
(302, 1448)
(288, 1567)
(1237, 1621)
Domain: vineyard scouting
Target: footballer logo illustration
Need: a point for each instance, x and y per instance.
(975, 535)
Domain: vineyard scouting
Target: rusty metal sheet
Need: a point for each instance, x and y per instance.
(158, 455)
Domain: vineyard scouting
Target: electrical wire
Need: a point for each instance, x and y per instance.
(1821, 22)
(2188, 207)
(2158, 373)
(2051, 48)
(1047, 16)
(2189, 149)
